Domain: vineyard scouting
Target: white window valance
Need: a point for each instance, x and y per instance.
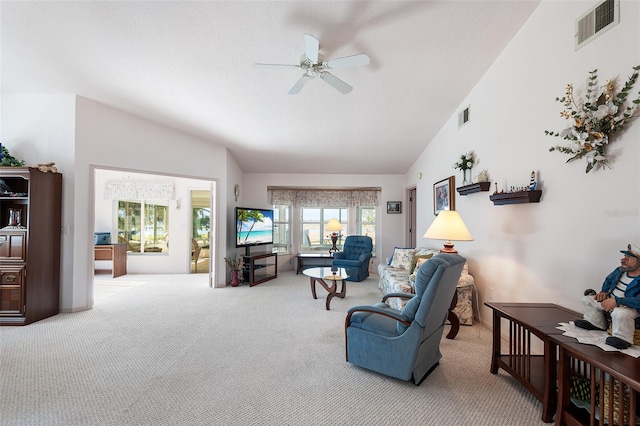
(120, 190)
(299, 197)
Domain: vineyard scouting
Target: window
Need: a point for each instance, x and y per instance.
(313, 237)
(312, 221)
(201, 224)
(366, 223)
(308, 211)
(144, 226)
(281, 229)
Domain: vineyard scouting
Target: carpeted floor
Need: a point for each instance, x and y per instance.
(169, 350)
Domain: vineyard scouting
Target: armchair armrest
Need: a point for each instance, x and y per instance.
(364, 256)
(375, 310)
(402, 295)
(339, 255)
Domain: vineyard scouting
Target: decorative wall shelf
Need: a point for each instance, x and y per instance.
(474, 187)
(517, 197)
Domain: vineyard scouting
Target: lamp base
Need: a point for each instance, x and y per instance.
(448, 248)
(334, 240)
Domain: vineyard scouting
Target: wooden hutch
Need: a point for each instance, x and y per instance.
(30, 234)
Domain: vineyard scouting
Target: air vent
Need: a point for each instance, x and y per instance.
(604, 16)
(463, 117)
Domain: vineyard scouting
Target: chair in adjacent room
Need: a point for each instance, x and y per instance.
(195, 253)
(310, 245)
(132, 246)
(405, 344)
(354, 257)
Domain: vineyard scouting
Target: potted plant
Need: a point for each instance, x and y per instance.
(7, 160)
(234, 262)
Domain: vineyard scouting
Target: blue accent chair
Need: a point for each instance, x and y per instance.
(354, 257)
(405, 344)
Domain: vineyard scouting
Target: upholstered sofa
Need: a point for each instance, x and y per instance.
(398, 273)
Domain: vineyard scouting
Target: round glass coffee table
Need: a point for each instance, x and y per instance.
(332, 275)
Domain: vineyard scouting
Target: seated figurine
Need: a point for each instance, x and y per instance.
(619, 297)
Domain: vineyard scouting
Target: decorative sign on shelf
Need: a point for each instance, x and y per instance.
(518, 194)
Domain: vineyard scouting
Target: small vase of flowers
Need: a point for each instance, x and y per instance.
(234, 263)
(465, 163)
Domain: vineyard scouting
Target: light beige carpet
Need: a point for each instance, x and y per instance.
(169, 350)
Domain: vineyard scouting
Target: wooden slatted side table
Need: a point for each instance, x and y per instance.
(536, 372)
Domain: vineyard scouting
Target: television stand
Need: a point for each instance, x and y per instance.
(259, 268)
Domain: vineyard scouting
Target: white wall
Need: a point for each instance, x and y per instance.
(551, 251)
(80, 134)
(110, 138)
(234, 177)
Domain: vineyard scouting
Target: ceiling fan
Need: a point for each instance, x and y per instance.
(313, 65)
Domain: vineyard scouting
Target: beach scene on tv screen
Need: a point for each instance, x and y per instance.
(255, 227)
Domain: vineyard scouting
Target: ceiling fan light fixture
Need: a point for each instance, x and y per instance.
(313, 65)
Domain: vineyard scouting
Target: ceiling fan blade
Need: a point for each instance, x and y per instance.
(301, 82)
(338, 84)
(311, 48)
(277, 65)
(348, 61)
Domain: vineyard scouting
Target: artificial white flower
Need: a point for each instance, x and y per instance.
(465, 163)
(605, 110)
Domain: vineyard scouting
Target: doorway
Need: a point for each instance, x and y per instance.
(200, 231)
(175, 237)
(411, 217)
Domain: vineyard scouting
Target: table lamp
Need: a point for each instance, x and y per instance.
(333, 226)
(448, 225)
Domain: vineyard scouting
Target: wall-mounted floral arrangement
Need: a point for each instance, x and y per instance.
(594, 120)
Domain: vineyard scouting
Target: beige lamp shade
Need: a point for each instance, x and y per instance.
(448, 225)
(333, 225)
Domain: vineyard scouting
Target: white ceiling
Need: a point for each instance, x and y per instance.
(190, 66)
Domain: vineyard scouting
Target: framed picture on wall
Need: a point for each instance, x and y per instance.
(394, 207)
(444, 195)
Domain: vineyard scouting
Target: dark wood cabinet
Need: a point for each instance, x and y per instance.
(258, 268)
(30, 228)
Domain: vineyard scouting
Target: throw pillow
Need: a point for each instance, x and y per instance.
(419, 260)
(402, 258)
(389, 260)
(423, 250)
(466, 279)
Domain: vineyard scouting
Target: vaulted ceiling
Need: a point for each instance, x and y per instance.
(190, 65)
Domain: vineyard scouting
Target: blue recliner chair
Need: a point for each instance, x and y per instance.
(405, 344)
(354, 257)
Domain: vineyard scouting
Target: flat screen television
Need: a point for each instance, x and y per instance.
(254, 227)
